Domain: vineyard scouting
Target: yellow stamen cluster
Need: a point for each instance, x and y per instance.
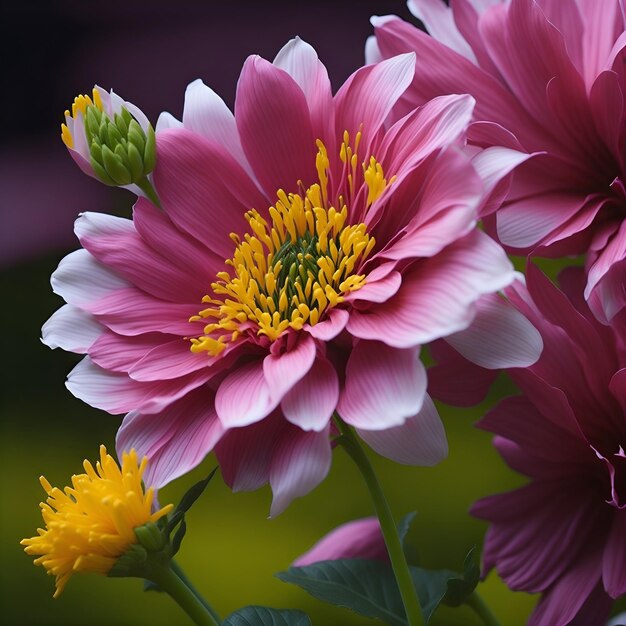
(90, 524)
(289, 272)
(79, 105)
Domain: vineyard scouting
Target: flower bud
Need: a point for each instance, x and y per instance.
(110, 139)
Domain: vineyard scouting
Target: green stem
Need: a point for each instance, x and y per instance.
(146, 186)
(387, 525)
(482, 610)
(168, 581)
(181, 574)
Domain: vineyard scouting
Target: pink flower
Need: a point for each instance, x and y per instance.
(548, 77)
(304, 253)
(358, 539)
(564, 533)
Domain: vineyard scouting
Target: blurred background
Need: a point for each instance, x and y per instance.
(148, 52)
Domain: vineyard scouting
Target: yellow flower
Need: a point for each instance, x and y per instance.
(89, 525)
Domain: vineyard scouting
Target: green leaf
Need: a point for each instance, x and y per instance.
(186, 502)
(366, 587)
(459, 589)
(404, 524)
(178, 537)
(264, 616)
(431, 586)
(130, 562)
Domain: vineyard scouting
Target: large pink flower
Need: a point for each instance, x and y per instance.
(548, 77)
(563, 534)
(303, 254)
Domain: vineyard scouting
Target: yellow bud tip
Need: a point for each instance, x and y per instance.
(66, 136)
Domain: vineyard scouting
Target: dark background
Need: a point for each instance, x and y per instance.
(148, 52)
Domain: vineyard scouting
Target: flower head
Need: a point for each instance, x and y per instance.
(89, 525)
(564, 533)
(304, 253)
(109, 139)
(549, 81)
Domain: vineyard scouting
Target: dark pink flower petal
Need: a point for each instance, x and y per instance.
(383, 386)
(420, 440)
(115, 243)
(204, 191)
(455, 380)
(310, 404)
(367, 97)
(300, 463)
(358, 539)
(436, 298)
(283, 371)
(274, 123)
(244, 397)
(168, 360)
(119, 353)
(117, 393)
(330, 327)
(613, 570)
(176, 439)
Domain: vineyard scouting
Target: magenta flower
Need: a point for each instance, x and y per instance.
(563, 534)
(304, 253)
(548, 77)
(358, 539)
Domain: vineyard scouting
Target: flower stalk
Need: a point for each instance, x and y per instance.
(481, 609)
(169, 582)
(387, 524)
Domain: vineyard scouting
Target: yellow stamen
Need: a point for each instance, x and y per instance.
(90, 525)
(290, 271)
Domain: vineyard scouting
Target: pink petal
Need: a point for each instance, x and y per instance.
(175, 440)
(378, 290)
(203, 190)
(330, 327)
(181, 249)
(244, 397)
(206, 113)
(439, 22)
(471, 382)
(421, 440)
(116, 244)
(283, 371)
(300, 61)
(71, 329)
(492, 165)
(614, 252)
(80, 279)
(312, 401)
(437, 297)
(300, 462)
(447, 209)
(368, 96)
(383, 386)
(607, 104)
(358, 539)
(119, 353)
(170, 359)
(614, 560)
(245, 453)
(133, 312)
(499, 336)
(275, 127)
(526, 222)
(576, 584)
(117, 393)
